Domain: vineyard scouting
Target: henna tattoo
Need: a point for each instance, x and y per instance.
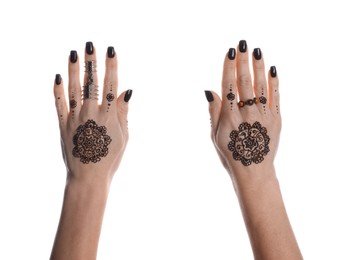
(91, 142)
(90, 89)
(231, 97)
(110, 97)
(250, 143)
(263, 100)
(73, 103)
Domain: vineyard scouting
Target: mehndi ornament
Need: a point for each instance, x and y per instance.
(250, 143)
(90, 90)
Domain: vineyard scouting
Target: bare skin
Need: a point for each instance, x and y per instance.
(93, 139)
(247, 151)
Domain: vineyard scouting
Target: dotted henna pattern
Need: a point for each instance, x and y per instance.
(250, 143)
(231, 97)
(90, 142)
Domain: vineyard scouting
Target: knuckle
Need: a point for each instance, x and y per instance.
(244, 80)
(261, 87)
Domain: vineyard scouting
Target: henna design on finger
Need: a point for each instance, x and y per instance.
(250, 143)
(110, 97)
(231, 96)
(60, 115)
(91, 142)
(263, 100)
(73, 103)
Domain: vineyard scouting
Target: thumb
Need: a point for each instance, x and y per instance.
(215, 105)
(123, 107)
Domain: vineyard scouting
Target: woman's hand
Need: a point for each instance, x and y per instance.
(246, 126)
(93, 136)
(246, 121)
(93, 139)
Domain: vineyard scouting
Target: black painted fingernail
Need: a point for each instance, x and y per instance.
(73, 56)
(273, 71)
(257, 53)
(89, 48)
(242, 46)
(209, 96)
(127, 95)
(110, 52)
(57, 79)
(231, 54)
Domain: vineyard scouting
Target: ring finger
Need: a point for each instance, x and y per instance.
(111, 80)
(260, 85)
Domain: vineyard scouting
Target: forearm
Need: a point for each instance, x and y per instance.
(265, 216)
(81, 220)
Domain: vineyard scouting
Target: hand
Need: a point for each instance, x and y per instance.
(246, 133)
(93, 136)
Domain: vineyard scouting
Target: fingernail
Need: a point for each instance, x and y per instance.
(127, 95)
(209, 96)
(273, 71)
(257, 53)
(57, 79)
(231, 54)
(73, 56)
(242, 46)
(110, 52)
(89, 48)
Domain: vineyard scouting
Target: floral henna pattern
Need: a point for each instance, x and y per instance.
(250, 143)
(110, 97)
(263, 100)
(231, 96)
(73, 103)
(90, 142)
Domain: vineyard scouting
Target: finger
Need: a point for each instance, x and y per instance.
(215, 106)
(74, 85)
(274, 94)
(260, 84)
(111, 80)
(90, 85)
(229, 88)
(244, 79)
(60, 102)
(122, 109)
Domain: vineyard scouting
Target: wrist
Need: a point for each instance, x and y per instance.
(89, 177)
(91, 188)
(253, 176)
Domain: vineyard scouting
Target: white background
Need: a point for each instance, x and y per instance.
(171, 198)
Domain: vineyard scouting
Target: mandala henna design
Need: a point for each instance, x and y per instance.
(250, 143)
(110, 97)
(90, 142)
